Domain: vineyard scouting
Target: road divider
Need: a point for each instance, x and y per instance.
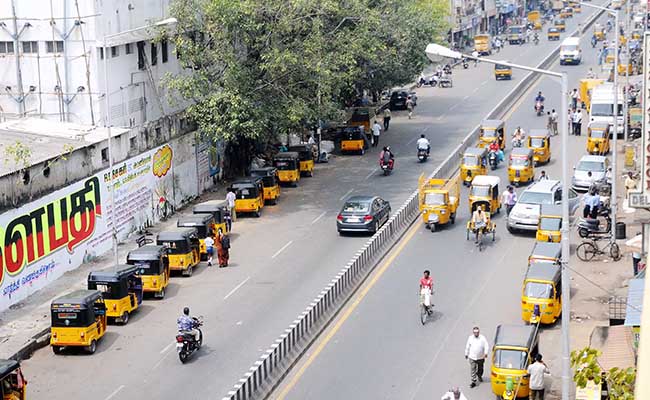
(274, 363)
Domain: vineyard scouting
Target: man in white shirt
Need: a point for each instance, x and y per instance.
(376, 131)
(230, 198)
(577, 121)
(209, 248)
(476, 351)
(423, 144)
(536, 371)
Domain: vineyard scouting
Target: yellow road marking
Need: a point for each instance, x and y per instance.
(349, 310)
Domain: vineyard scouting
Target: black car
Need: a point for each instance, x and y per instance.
(398, 99)
(363, 214)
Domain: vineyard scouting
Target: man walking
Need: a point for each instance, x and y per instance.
(376, 131)
(230, 198)
(575, 97)
(536, 371)
(386, 118)
(476, 351)
(511, 199)
(554, 118)
(576, 118)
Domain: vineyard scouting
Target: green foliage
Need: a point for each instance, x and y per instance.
(18, 154)
(620, 382)
(259, 68)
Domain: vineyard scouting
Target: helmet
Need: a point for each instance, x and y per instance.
(422, 135)
(186, 311)
(388, 148)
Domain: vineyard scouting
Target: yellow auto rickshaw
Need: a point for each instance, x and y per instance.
(353, 140)
(541, 299)
(121, 288)
(636, 34)
(438, 200)
(560, 24)
(622, 40)
(78, 320)
(624, 64)
(182, 245)
(599, 32)
(521, 166)
(484, 192)
(492, 130)
(288, 165)
(152, 266)
(553, 33)
(515, 346)
(306, 156)
(12, 382)
(577, 8)
(539, 140)
(609, 55)
(270, 183)
(249, 194)
(546, 252)
(586, 87)
(361, 116)
(483, 44)
(204, 224)
(502, 72)
(473, 162)
(218, 210)
(598, 138)
(535, 19)
(549, 228)
(567, 12)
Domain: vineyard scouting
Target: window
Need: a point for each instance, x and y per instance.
(115, 51)
(154, 53)
(6, 47)
(101, 53)
(133, 143)
(141, 55)
(54, 46)
(105, 154)
(164, 51)
(128, 48)
(30, 47)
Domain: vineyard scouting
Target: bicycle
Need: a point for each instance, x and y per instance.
(587, 250)
(425, 310)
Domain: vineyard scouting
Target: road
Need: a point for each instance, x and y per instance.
(279, 263)
(377, 348)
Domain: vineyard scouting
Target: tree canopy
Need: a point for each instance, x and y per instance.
(256, 68)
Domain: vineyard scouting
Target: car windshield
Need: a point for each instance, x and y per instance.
(519, 162)
(598, 133)
(515, 30)
(550, 224)
(510, 359)
(570, 48)
(594, 166)
(491, 132)
(536, 198)
(538, 290)
(536, 142)
(434, 199)
(356, 206)
(470, 161)
(479, 191)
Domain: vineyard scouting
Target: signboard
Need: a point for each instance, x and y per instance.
(642, 199)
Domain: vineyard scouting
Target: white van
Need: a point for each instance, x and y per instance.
(602, 106)
(570, 52)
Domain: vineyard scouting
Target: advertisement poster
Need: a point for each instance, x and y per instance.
(59, 232)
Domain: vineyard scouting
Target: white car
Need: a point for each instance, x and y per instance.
(525, 214)
(597, 165)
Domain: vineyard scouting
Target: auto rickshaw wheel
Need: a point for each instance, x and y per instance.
(452, 218)
(189, 271)
(57, 349)
(92, 348)
(257, 214)
(160, 294)
(124, 319)
(432, 227)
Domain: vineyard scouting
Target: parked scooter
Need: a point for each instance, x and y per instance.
(590, 227)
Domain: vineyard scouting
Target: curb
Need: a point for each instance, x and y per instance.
(37, 341)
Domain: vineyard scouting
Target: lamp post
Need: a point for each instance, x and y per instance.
(434, 52)
(613, 200)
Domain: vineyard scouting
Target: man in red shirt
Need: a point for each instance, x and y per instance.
(426, 290)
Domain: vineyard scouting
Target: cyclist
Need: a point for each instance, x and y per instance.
(479, 219)
(426, 290)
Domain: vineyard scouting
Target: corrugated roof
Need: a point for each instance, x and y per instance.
(634, 302)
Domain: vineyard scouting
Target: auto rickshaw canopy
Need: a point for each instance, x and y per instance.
(520, 336)
(115, 281)
(551, 210)
(286, 160)
(544, 272)
(559, 22)
(486, 180)
(598, 130)
(268, 175)
(7, 367)
(247, 188)
(77, 309)
(80, 298)
(475, 155)
(202, 223)
(214, 207)
(177, 235)
(304, 151)
(148, 259)
(501, 68)
(546, 250)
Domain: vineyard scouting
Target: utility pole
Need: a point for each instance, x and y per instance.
(19, 74)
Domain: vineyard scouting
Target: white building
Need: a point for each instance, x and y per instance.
(52, 61)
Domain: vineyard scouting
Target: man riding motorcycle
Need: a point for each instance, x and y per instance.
(539, 102)
(494, 146)
(187, 324)
(518, 137)
(423, 144)
(386, 157)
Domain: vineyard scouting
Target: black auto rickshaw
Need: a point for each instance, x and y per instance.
(78, 320)
(121, 288)
(152, 267)
(249, 194)
(204, 224)
(288, 165)
(306, 156)
(182, 246)
(216, 208)
(353, 140)
(12, 383)
(270, 183)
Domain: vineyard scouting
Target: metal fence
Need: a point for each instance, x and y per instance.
(275, 360)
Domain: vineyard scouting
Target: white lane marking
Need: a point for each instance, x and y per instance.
(160, 361)
(413, 140)
(236, 288)
(115, 392)
(454, 106)
(475, 89)
(484, 83)
(163, 351)
(466, 97)
(319, 217)
(440, 117)
(277, 253)
(370, 174)
(346, 194)
(239, 322)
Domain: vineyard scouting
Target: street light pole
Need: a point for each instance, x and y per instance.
(110, 152)
(433, 51)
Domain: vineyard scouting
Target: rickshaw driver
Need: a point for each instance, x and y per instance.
(423, 144)
(480, 222)
(185, 324)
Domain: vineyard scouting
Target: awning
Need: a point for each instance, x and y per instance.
(634, 302)
(147, 32)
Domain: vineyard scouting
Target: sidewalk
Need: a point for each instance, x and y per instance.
(24, 327)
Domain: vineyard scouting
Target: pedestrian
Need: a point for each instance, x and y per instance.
(227, 218)
(376, 131)
(630, 184)
(209, 248)
(554, 118)
(476, 351)
(223, 248)
(453, 394)
(409, 106)
(230, 198)
(600, 56)
(575, 97)
(577, 122)
(386, 118)
(475, 55)
(504, 195)
(536, 371)
(543, 176)
(511, 199)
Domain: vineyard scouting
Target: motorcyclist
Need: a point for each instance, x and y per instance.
(186, 324)
(591, 74)
(536, 37)
(518, 137)
(539, 98)
(494, 146)
(594, 40)
(423, 144)
(453, 394)
(386, 157)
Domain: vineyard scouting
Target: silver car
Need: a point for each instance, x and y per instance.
(525, 214)
(590, 169)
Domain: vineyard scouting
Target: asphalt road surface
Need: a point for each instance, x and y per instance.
(280, 261)
(377, 347)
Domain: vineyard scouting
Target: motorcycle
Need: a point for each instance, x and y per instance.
(186, 345)
(465, 63)
(447, 69)
(422, 155)
(590, 227)
(539, 108)
(517, 142)
(387, 168)
(536, 40)
(493, 159)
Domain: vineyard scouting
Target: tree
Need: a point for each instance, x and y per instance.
(620, 382)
